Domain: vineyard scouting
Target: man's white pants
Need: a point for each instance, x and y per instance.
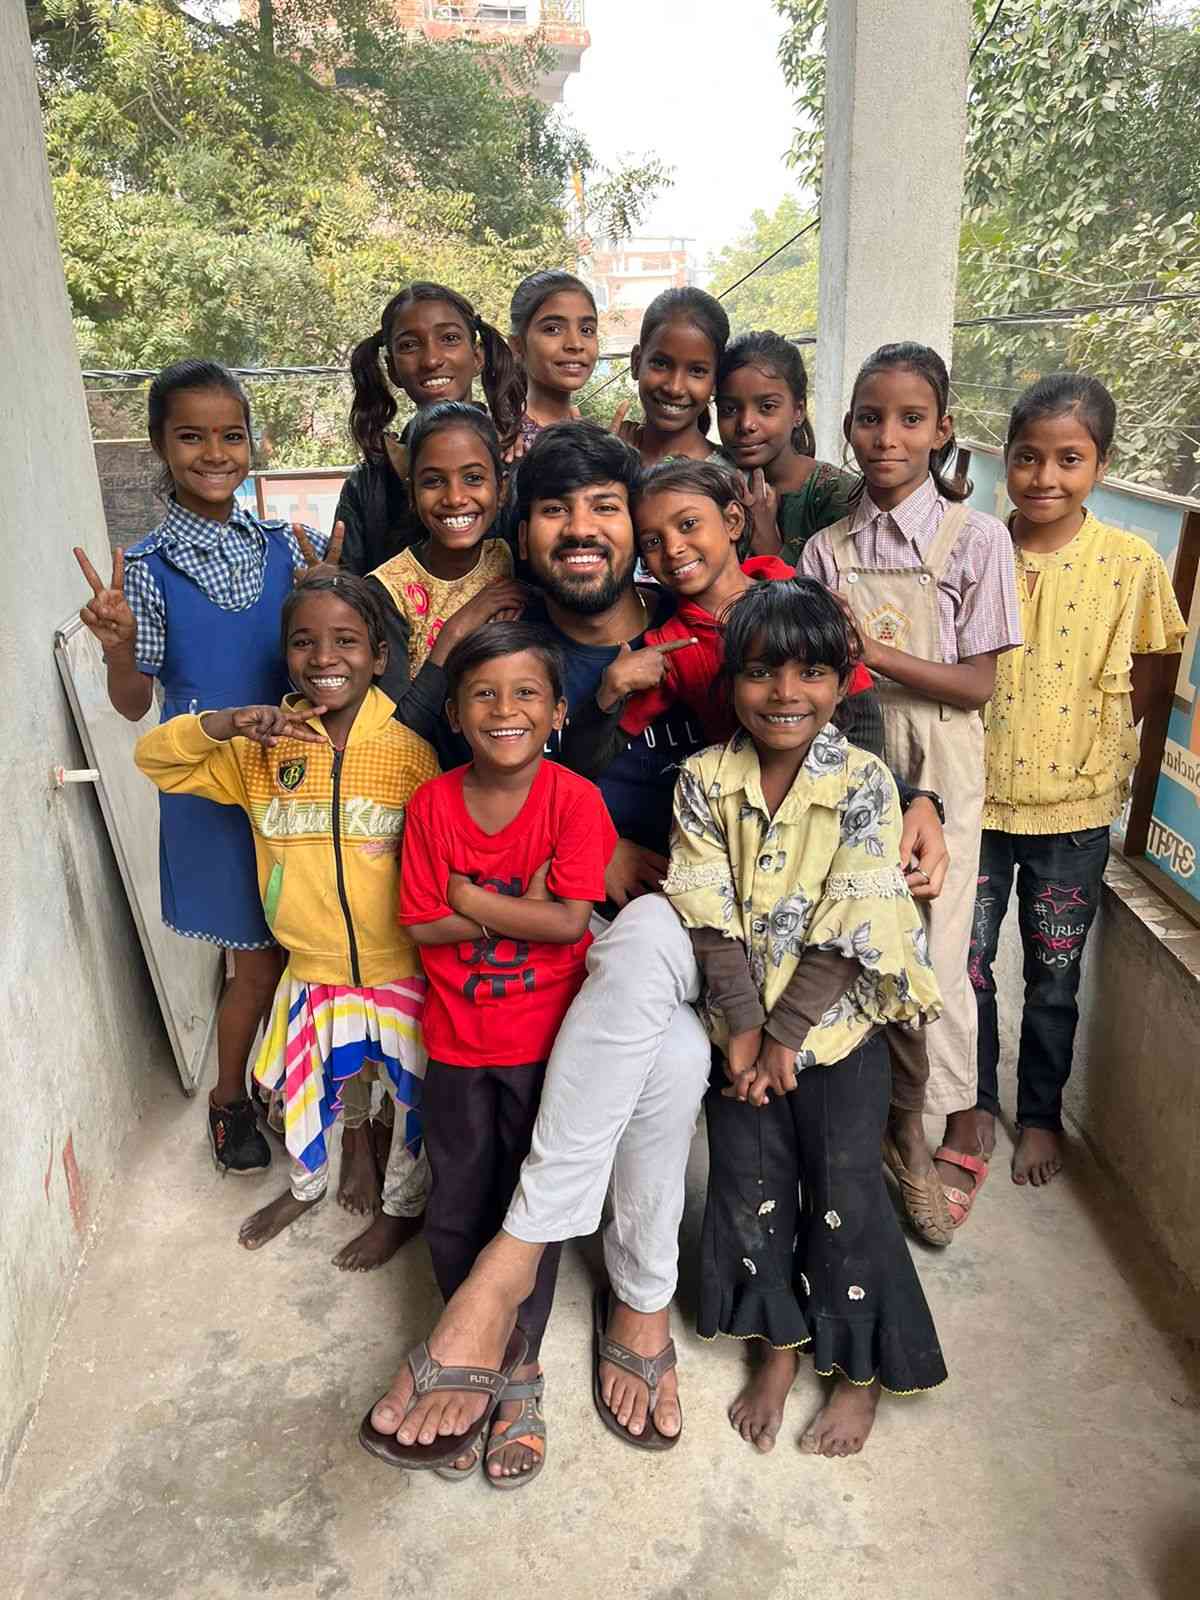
(623, 1089)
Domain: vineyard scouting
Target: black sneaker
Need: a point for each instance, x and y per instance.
(237, 1144)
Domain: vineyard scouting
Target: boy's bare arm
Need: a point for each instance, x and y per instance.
(535, 916)
(445, 930)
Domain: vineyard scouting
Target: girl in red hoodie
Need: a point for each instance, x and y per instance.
(693, 526)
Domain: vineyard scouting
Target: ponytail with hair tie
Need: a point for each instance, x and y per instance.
(504, 384)
(374, 405)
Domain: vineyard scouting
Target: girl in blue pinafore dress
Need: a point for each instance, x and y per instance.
(196, 604)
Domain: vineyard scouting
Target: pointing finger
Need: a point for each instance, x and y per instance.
(118, 577)
(334, 553)
(89, 571)
(674, 644)
(758, 483)
(618, 417)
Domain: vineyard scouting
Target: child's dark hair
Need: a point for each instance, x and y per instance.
(179, 378)
(533, 292)
(356, 592)
(573, 455)
(681, 475)
(790, 619)
(927, 364)
(432, 420)
(1062, 393)
(374, 405)
(771, 353)
(504, 639)
(703, 312)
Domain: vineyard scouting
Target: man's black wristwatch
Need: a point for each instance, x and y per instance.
(934, 799)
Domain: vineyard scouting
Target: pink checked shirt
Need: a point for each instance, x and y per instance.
(978, 608)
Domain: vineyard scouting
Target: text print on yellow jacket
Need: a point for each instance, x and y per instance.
(327, 830)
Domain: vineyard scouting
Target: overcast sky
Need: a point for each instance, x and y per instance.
(698, 83)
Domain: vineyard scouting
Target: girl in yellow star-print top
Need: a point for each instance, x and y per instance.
(1096, 608)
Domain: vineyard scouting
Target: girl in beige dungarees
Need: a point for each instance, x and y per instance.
(931, 587)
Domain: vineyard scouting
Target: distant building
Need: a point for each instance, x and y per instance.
(561, 23)
(627, 274)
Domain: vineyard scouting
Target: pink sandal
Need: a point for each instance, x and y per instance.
(960, 1200)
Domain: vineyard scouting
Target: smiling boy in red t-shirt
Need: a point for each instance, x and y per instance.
(503, 860)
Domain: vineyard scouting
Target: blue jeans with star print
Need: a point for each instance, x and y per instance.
(1058, 890)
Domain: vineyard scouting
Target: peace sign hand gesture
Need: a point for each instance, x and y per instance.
(108, 615)
(316, 566)
(266, 725)
(629, 431)
(636, 669)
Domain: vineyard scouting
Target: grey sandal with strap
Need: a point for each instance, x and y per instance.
(430, 1376)
(650, 1369)
(528, 1427)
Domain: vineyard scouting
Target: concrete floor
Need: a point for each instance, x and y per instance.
(197, 1433)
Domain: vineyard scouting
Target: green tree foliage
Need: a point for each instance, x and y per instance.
(255, 190)
(783, 294)
(1081, 184)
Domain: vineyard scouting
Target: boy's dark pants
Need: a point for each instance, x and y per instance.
(1058, 890)
(478, 1125)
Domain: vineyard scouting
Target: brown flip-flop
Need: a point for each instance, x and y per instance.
(925, 1203)
(650, 1369)
(430, 1375)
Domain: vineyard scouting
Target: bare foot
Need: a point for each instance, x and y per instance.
(359, 1189)
(1038, 1156)
(513, 1460)
(965, 1134)
(472, 1331)
(378, 1242)
(841, 1426)
(757, 1413)
(273, 1219)
(627, 1397)
(908, 1134)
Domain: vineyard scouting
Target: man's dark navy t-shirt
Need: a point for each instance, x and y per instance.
(639, 784)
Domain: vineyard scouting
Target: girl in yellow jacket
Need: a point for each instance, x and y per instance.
(325, 780)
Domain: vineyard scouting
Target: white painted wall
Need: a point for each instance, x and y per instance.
(80, 1033)
(891, 190)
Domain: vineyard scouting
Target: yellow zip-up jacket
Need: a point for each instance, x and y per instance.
(327, 830)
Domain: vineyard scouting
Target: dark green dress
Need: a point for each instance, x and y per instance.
(824, 500)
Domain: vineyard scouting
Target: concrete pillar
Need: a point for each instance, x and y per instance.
(81, 1040)
(895, 122)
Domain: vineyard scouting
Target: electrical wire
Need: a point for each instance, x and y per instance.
(979, 43)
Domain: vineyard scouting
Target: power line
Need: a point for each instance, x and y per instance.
(979, 43)
(808, 227)
(1069, 313)
(239, 372)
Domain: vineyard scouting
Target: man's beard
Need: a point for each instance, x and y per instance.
(586, 599)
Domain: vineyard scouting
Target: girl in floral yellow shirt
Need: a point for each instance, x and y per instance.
(1096, 608)
(785, 869)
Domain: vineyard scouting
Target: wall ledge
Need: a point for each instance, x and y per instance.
(1127, 893)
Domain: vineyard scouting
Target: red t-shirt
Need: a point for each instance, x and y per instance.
(693, 675)
(498, 1002)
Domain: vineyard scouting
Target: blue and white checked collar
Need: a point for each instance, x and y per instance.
(227, 560)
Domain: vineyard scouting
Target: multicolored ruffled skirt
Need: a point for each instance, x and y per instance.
(320, 1035)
